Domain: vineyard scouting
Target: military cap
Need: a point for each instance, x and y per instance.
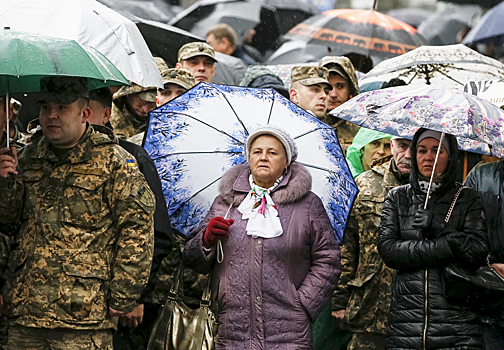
(310, 75)
(160, 63)
(196, 49)
(145, 93)
(333, 65)
(64, 90)
(178, 76)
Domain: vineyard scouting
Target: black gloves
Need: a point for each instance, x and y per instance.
(423, 219)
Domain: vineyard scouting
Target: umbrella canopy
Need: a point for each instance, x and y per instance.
(196, 137)
(292, 12)
(89, 23)
(449, 66)
(489, 28)
(489, 90)
(26, 57)
(442, 27)
(200, 17)
(412, 16)
(154, 10)
(403, 110)
(365, 32)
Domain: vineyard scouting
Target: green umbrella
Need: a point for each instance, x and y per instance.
(25, 58)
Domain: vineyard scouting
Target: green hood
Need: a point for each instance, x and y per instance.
(363, 137)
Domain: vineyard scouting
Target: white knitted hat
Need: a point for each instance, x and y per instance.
(283, 136)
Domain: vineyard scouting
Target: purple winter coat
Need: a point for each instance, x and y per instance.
(267, 292)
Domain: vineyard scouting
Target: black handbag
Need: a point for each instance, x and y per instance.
(482, 287)
(179, 327)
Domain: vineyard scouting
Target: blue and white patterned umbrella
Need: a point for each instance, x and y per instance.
(402, 110)
(196, 137)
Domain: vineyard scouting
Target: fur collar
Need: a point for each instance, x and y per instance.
(234, 184)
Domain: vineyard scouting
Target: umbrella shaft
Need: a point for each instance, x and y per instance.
(434, 169)
(7, 115)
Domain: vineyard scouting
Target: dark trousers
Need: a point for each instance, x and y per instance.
(137, 338)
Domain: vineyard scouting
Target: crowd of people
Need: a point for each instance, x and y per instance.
(88, 255)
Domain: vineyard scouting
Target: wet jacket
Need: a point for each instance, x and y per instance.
(364, 288)
(488, 180)
(420, 315)
(84, 234)
(268, 291)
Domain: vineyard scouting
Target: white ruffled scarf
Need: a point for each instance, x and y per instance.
(261, 212)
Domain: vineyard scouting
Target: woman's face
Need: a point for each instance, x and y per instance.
(267, 160)
(425, 156)
(373, 151)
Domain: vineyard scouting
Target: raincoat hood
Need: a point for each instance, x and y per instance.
(349, 69)
(261, 77)
(363, 137)
(449, 176)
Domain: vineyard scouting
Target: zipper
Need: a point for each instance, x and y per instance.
(424, 335)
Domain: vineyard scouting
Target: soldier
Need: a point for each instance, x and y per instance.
(176, 81)
(343, 79)
(199, 59)
(309, 89)
(131, 108)
(362, 297)
(130, 334)
(82, 215)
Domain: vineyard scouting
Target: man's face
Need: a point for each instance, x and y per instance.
(100, 114)
(401, 151)
(340, 92)
(201, 67)
(313, 98)
(169, 92)
(141, 107)
(63, 125)
(218, 45)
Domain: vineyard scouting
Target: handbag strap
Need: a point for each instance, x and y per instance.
(173, 294)
(448, 215)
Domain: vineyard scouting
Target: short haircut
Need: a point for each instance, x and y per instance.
(102, 96)
(223, 30)
(82, 102)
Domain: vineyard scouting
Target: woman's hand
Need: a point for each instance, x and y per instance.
(499, 268)
(218, 228)
(423, 219)
(338, 314)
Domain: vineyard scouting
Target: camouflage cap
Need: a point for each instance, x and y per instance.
(196, 49)
(63, 90)
(145, 93)
(342, 66)
(161, 64)
(310, 75)
(178, 76)
(332, 65)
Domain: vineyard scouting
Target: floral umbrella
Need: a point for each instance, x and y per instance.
(477, 124)
(196, 137)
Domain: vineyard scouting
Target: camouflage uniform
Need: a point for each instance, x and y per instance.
(84, 234)
(125, 121)
(342, 66)
(364, 288)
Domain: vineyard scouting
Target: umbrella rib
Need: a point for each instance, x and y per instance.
(446, 75)
(271, 109)
(236, 114)
(210, 126)
(202, 152)
(308, 132)
(317, 167)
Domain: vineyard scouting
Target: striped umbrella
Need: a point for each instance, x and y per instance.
(365, 32)
(477, 124)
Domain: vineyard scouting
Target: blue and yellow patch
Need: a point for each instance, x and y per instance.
(130, 162)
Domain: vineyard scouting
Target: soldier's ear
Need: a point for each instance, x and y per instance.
(86, 113)
(293, 94)
(106, 115)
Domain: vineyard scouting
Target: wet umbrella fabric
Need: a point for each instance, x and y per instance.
(412, 16)
(196, 137)
(489, 90)
(403, 110)
(153, 10)
(365, 32)
(489, 28)
(449, 66)
(89, 23)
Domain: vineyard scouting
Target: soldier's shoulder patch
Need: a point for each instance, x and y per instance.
(130, 162)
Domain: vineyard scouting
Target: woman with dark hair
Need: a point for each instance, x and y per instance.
(281, 259)
(418, 242)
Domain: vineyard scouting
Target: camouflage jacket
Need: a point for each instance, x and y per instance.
(84, 234)
(364, 288)
(126, 123)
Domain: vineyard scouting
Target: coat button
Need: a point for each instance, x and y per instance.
(259, 242)
(258, 299)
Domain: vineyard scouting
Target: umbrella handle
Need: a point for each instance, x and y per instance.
(220, 250)
(433, 169)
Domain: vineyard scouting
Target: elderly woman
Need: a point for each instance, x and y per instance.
(418, 243)
(367, 147)
(281, 259)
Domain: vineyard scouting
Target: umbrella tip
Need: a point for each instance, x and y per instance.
(6, 28)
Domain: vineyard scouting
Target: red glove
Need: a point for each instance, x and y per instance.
(218, 228)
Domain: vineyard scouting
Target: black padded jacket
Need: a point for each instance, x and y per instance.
(420, 316)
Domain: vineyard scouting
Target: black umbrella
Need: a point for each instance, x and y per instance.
(292, 12)
(412, 16)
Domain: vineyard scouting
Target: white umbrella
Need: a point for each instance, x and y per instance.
(449, 66)
(89, 23)
(489, 90)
